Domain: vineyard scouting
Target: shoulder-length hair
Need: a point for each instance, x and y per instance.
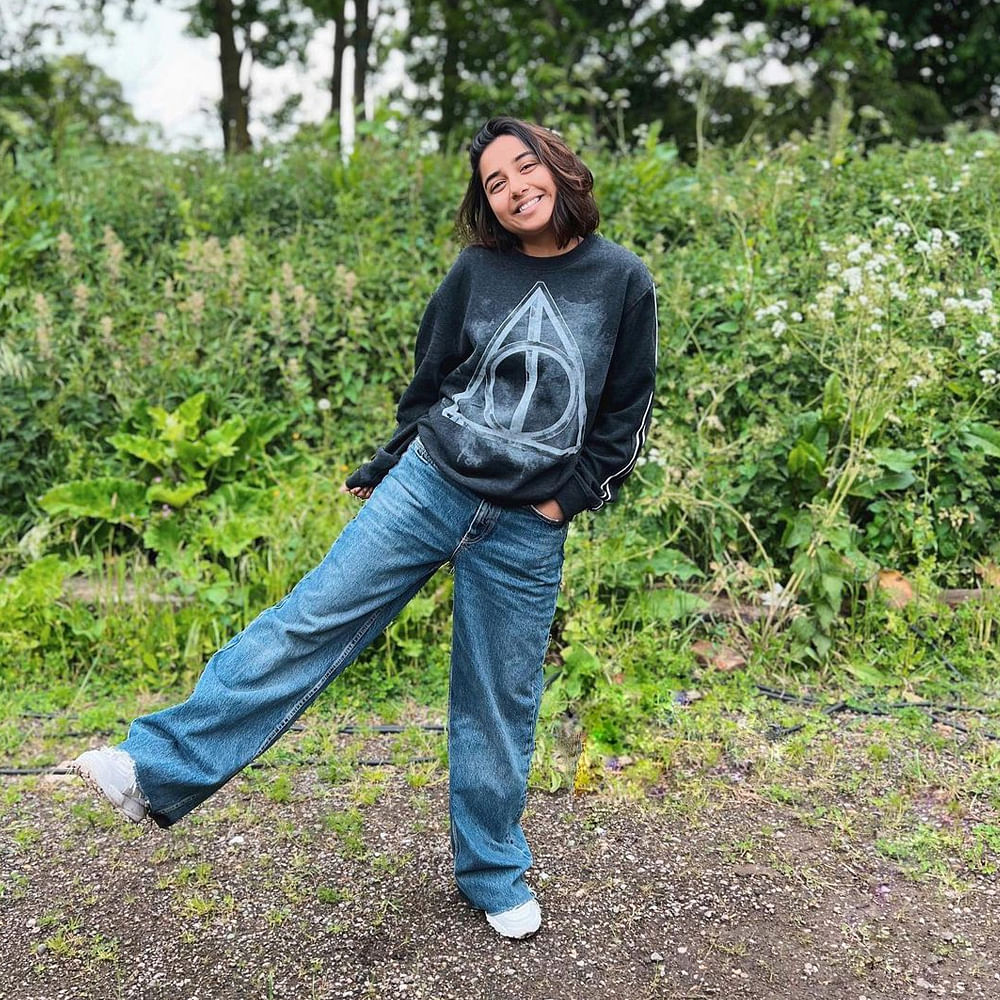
(575, 212)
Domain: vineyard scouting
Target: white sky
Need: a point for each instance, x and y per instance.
(174, 80)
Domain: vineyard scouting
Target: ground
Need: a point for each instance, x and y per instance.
(784, 871)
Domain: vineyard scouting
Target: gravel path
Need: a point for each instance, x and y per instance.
(288, 886)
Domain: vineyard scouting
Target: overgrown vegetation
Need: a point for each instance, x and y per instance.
(194, 355)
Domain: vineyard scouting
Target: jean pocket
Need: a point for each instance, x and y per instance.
(551, 522)
(421, 452)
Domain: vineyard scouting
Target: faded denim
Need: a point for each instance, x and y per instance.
(507, 563)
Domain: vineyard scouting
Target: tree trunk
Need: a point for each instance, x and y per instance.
(362, 42)
(449, 67)
(235, 98)
(339, 44)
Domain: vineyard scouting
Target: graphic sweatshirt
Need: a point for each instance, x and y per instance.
(533, 376)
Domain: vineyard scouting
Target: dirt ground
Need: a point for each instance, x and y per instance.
(288, 885)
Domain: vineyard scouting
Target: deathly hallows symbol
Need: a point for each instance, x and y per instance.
(529, 385)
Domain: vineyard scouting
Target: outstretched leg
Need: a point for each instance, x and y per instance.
(255, 687)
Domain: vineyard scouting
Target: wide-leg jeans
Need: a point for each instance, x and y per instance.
(507, 564)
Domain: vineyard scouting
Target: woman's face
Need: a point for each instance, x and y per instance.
(521, 191)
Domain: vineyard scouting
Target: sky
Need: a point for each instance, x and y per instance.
(173, 80)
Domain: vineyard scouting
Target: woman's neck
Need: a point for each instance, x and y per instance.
(548, 248)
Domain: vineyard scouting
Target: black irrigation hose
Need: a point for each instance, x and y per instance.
(351, 729)
(348, 729)
(780, 732)
(22, 772)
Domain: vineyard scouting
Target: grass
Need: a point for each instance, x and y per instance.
(888, 773)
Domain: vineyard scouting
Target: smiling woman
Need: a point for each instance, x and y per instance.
(529, 403)
(529, 191)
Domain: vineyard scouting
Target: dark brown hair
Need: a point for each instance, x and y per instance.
(575, 211)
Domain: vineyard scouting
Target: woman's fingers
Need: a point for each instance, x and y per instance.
(361, 492)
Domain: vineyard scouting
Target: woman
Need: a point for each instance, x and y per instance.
(530, 400)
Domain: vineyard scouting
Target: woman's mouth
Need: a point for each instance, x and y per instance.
(530, 203)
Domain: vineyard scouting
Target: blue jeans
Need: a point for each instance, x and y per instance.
(507, 564)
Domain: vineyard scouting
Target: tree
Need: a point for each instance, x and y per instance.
(550, 60)
(920, 63)
(358, 32)
(269, 32)
(946, 56)
(43, 99)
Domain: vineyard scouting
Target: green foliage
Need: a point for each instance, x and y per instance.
(190, 493)
(195, 355)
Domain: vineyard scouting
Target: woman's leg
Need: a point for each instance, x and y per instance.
(255, 687)
(506, 583)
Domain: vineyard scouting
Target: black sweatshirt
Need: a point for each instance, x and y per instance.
(533, 377)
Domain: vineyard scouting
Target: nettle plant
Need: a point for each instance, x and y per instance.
(191, 489)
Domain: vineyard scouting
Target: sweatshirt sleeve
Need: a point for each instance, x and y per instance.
(437, 344)
(611, 448)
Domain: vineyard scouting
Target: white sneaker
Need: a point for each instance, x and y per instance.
(112, 772)
(521, 922)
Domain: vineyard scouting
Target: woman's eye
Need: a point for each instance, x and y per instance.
(528, 166)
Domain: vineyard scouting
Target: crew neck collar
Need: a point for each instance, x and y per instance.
(557, 261)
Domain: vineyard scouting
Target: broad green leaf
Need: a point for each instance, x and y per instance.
(233, 535)
(805, 459)
(799, 530)
(834, 401)
(221, 441)
(672, 562)
(149, 450)
(117, 501)
(663, 605)
(867, 674)
(983, 437)
(163, 535)
(175, 495)
(896, 459)
(193, 456)
(189, 413)
(883, 484)
(832, 587)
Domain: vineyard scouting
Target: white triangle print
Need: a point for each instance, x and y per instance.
(529, 386)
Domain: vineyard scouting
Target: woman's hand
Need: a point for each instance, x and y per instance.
(551, 510)
(361, 492)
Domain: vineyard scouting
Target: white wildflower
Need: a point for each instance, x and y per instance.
(937, 319)
(859, 253)
(989, 376)
(854, 278)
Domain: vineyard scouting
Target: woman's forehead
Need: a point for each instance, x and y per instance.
(503, 151)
